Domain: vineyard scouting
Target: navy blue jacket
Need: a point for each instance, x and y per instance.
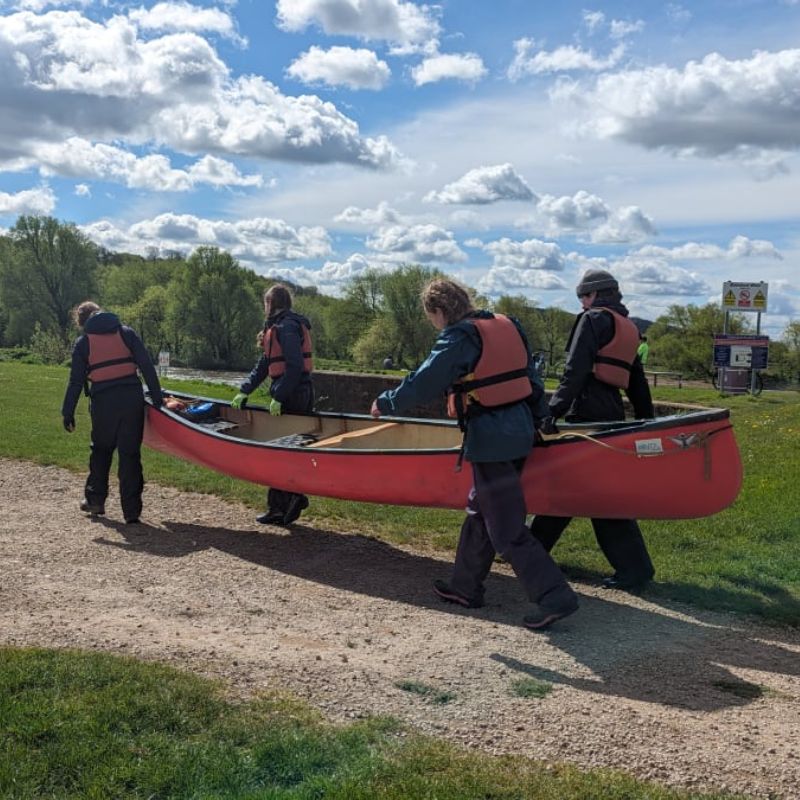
(580, 396)
(106, 322)
(500, 434)
(288, 327)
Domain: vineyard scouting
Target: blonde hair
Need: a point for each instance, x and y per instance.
(451, 297)
(82, 312)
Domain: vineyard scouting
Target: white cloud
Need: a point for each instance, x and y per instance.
(255, 241)
(369, 217)
(83, 190)
(739, 247)
(620, 28)
(484, 185)
(505, 280)
(566, 58)
(710, 108)
(340, 66)
(78, 158)
(408, 26)
(28, 201)
(593, 20)
(181, 16)
(423, 243)
(65, 75)
(331, 276)
(528, 254)
(456, 66)
(589, 216)
(655, 277)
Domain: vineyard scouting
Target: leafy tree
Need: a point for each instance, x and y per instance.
(124, 282)
(371, 348)
(47, 271)
(213, 308)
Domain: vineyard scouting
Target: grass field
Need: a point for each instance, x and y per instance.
(745, 559)
(78, 725)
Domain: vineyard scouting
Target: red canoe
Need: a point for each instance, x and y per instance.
(674, 467)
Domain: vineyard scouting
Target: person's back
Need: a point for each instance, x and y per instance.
(644, 351)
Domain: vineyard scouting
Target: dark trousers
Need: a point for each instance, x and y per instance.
(117, 424)
(495, 523)
(620, 540)
(302, 401)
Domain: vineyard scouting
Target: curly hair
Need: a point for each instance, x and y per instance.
(451, 297)
(82, 312)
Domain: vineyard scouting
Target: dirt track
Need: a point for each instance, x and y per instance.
(685, 698)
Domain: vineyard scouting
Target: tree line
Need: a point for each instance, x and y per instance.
(206, 308)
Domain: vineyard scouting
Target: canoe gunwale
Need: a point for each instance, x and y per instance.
(600, 431)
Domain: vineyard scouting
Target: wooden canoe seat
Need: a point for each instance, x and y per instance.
(334, 441)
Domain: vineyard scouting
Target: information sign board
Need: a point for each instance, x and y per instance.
(741, 351)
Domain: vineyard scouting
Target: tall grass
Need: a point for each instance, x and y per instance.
(745, 559)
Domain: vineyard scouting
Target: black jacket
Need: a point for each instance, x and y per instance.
(580, 397)
(106, 322)
(288, 327)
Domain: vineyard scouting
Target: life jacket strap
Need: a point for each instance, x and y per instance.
(614, 362)
(477, 383)
(111, 363)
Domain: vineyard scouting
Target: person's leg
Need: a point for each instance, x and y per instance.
(623, 545)
(103, 436)
(500, 498)
(129, 451)
(547, 530)
(474, 556)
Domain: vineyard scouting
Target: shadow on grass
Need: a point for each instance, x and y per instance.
(613, 640)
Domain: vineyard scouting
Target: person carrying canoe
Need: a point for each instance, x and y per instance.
(484, 362)
(287, 360)
(602, 359)
(105, 359)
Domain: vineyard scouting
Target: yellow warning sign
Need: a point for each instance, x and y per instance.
(759, 301)
(729, 299)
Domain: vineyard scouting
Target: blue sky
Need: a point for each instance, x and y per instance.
(512, 144)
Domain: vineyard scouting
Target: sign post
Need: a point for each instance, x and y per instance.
(750, 353)
(163, 362)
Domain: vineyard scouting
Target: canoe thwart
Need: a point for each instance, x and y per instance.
(333, 441)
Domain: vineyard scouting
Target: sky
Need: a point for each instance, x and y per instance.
(512, 144)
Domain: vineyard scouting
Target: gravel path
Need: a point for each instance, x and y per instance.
(692, 699)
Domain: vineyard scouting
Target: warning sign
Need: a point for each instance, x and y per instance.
(744, 296)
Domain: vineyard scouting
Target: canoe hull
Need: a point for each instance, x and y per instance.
(686, 468)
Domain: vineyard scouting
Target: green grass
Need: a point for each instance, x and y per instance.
(745, 559)
(90, 727)
(530, 687)
(438, 696)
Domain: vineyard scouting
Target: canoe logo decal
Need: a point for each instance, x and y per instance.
(684, 440)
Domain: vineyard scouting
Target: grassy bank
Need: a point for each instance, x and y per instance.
(745, 559)
(89, 726)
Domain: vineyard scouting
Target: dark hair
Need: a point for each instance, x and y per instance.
(279, 298)
(613, 295)
(451, 297)
(82, 312)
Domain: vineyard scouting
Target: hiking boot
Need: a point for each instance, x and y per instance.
(271, 517)
(560, 604)
(95, 509)
(443, 591)
(625, 584)
(296, 505)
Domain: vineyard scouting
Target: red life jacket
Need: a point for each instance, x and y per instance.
(500, 376)
(274, 352)
(613, 362)
(109, 357)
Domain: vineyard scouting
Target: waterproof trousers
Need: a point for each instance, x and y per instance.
(495, 523)
(278, 501)
(117, 424)
(620, 540)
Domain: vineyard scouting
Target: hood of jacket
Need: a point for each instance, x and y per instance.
(613, 305)
(287, 313)
(102, 322)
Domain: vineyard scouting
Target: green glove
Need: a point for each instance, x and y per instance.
(275, 408)
(239, 400)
